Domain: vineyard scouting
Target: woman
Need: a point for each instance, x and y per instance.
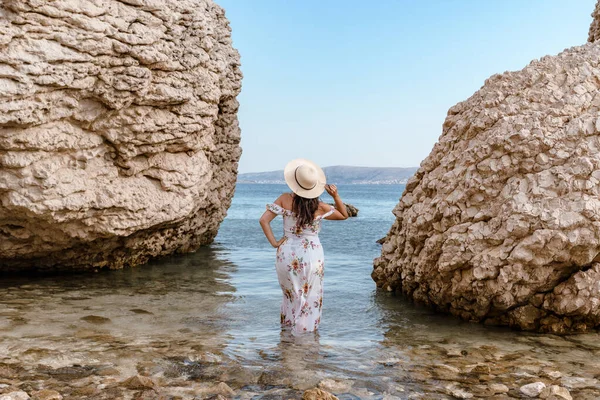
(300, 262)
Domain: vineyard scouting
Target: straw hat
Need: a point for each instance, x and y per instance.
(305, 178)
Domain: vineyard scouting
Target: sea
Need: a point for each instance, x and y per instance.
(214, 315)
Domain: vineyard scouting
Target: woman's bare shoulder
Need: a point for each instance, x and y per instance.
(324, 206)
(284, 200)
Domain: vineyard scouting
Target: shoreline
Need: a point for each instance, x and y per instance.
(342, 183)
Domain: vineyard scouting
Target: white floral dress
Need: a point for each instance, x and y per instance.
(300, 266)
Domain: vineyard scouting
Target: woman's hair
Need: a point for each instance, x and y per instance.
(305, 210)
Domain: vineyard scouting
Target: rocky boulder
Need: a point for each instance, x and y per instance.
(501, 223)
(350, 209)
(119, 137)
(594, 32)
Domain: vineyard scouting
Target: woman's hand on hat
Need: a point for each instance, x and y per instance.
(332, 190)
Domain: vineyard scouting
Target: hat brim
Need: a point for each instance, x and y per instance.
(290, 178)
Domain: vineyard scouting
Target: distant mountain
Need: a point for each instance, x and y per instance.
(341, 174)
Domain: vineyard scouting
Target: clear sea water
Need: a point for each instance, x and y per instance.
(349, 246)
(214, 315)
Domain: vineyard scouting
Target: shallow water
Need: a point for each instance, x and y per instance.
(191, 321)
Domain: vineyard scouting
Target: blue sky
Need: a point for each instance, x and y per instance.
(369, 83)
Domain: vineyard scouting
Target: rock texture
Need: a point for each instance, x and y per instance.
(119, 138)
(352, 211)
(318, 394)
(501, 224)
(594, 33)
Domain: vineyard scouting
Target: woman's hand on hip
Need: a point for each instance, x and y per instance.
(280, 242)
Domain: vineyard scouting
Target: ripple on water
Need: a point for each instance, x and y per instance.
(191, 329)
(190, 322)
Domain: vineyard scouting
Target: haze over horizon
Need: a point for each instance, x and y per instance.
(329, 166)
(369, 84)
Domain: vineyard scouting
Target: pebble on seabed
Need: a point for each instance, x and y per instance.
(318, 394)
(16, 395)
(46, 394)
(533, 389)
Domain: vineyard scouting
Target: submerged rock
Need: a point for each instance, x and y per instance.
(555, 392)
(47, 394)
(317, 394)
(119, 137)
(501, 224)
(352, 211)
(16, 395)
(458, 393)
(138, 382)
(532, 389)
(95, 319)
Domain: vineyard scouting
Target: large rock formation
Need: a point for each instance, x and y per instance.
(501, 224)
(594, 32)
(119, 139)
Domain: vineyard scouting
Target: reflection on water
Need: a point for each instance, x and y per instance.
(117, 317)
(192, 321)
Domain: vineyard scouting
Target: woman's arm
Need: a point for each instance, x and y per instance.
(340, 212)
(265, 223)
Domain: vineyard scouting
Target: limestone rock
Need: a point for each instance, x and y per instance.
(46, 394)
(335, 385)
(501, 223)
(318, 394)
(445, 372)
(352, 211)
(138, 382)
(119, 137)
(576, 382)
(533, 389)
(457, 392)
(594, 33)
(17, 395)
(555, 392)
(498, 388)
(223, 389)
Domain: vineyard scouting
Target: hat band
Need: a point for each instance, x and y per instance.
(298, 182)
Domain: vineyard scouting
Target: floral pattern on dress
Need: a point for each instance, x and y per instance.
(319, 303)
(298, 231)
(304, 289)
(280, 256)
(277, 209)
(309, 243)
(289, 294)
(296, 266)
(306, 309)
(300, 270)
(320, 270)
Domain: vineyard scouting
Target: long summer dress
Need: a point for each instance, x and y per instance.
(300, 266)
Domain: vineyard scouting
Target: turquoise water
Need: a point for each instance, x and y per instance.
(349, 245)
(213, 316)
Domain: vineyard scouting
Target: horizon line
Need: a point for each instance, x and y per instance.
(331, 166)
